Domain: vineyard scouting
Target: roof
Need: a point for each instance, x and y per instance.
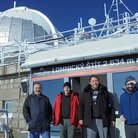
(108, 47)
(23, 23)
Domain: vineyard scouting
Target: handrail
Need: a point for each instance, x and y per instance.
(4, 125)
(17, 52)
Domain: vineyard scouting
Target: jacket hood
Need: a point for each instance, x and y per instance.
(101, 88)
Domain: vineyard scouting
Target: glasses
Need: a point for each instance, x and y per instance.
(130, 84)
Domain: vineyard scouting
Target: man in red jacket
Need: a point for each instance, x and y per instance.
(66, 111)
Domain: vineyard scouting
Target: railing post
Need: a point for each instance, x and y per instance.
(75, 36)
(5, 125)
(126, 22)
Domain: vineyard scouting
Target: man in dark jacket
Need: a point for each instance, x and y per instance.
(37, 112)
(129, 108)
(66, 111)
(95, 108)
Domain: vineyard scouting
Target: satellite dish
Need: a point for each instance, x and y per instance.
(92, 21)
(136, 14)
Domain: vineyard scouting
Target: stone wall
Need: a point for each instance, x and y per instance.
(10, 89)
(17, 123)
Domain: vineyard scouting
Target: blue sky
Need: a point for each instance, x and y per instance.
(65, 14)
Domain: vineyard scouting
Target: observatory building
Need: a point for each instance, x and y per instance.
(22, 23)
(33, 50)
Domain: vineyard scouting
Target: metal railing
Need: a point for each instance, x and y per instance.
(4, 122)
(17, 52)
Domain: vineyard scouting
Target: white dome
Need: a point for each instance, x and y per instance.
(22, 23)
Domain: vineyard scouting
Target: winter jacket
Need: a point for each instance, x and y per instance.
(37, 112)
(136, 85)
(105, 106)
(74, 109)
(129, 106)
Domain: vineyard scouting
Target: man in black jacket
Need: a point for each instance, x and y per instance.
(37, 112)
(95, 109)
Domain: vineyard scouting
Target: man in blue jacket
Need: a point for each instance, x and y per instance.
(129, 108)
(37, 112)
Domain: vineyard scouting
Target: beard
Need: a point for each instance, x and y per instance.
(130, 89)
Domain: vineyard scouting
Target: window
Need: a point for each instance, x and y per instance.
(8, 105)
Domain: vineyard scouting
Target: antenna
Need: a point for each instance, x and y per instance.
(81, 23)
(116, 3)
(117, 11)
(126, 7)
(14, 4)
(78, 25)
(105, 13)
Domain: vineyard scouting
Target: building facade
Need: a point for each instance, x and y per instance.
(33, 50)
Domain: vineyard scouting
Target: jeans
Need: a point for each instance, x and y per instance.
(66, 129)
(97, 126)
(40, 134)
(131, 131)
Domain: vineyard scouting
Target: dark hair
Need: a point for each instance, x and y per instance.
(37, 83)
(67, 84)
(93, 76)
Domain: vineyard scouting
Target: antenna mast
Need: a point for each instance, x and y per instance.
(14, 4)
(117, 11)
(116, 3)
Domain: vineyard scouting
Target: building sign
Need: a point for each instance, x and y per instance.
(92, 66)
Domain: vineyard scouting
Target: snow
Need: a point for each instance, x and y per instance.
(126, 44)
